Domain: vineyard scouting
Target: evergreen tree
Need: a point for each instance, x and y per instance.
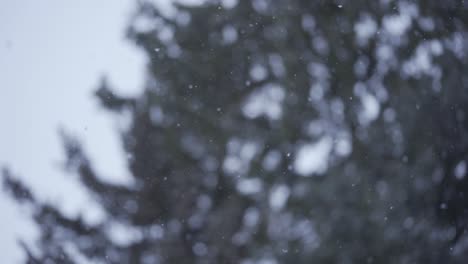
(283, 132)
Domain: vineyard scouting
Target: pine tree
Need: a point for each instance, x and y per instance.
(240, 96)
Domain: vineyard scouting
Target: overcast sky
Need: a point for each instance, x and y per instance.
(52, 53)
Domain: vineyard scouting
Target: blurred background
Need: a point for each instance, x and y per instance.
(51, 58)
(234, 131)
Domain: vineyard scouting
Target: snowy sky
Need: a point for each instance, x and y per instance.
(52, 53)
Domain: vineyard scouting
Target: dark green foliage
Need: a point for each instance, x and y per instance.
(233, 94)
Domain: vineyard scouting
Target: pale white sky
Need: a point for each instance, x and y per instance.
(52, 53)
